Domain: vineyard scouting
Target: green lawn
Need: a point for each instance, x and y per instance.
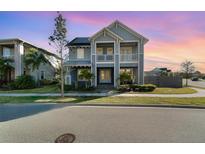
(107, 100)
(171, 91)
(55, 89)
(45, 89)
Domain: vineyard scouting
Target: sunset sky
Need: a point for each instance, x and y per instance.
(174, 36)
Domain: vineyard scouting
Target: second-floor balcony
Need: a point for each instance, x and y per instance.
(105, 58)
(128, 57)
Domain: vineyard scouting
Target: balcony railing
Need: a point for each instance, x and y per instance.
(105, 58)
(128, 57)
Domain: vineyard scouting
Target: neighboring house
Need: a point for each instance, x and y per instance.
(114, 49)
(159, 72)
(15, 49)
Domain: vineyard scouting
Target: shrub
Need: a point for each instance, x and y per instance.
(23, 82)
(79, 88)
(124, 88)
(147, 88)
(45, 82)
(134, 87)
(125, 78)
(68, 87)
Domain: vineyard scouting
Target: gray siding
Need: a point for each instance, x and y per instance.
(47, 68)
(105, 37)
(123, 33)
(73, 53)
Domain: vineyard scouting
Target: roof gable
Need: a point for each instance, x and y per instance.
(106, 31)
(129, 30)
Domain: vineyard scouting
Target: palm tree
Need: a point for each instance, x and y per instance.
(5, 67)
(33, 59)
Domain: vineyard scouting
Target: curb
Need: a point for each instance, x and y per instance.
(141, 105)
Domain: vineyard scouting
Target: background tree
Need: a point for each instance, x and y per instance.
(33, 59)
(87, 75)
(187, 68)
(59, 42)
(5, 67)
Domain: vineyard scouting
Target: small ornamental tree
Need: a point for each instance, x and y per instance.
(187, 68)
(87, 75)
(125, 77)
(59, 42)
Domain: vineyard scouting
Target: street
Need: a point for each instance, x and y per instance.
(107, 124)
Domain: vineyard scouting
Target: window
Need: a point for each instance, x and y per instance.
(80, 53)
(42, 75)
(126, 50)
(7, 52)
(110, 51)
(100, 51)
(105, 76)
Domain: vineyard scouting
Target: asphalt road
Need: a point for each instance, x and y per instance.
(108, 124)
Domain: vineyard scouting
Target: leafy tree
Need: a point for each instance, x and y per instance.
(5, 67)
(87, 75)
(33, 59)
(187, 68)
(125, 77)
(59, 42)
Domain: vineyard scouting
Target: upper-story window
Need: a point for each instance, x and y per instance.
(100, 51)
(110, 51)
(80, 53)
(7, 52)
(126, 50)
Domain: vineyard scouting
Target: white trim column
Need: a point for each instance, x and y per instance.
(18, 58)
(116, 63)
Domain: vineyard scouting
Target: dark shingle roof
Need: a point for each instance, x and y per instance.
(80, 41)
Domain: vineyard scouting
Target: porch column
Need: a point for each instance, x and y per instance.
(116, 63)
(141, 64)
(93, 63)
(18, 58)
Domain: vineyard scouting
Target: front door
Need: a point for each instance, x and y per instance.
(105, 76)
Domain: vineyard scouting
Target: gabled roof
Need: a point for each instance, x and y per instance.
(129, 29)
(26, 42)
(79, 41)
(106, 30)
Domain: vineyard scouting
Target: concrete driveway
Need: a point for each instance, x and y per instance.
(108, 124)
(200, 83)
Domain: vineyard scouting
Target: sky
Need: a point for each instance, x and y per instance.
(173, 36)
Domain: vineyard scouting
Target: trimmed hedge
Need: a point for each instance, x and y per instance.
(137, 88)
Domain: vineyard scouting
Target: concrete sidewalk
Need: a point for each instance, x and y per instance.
(200, 93)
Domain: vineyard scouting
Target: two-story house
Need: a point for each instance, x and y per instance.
(15, 49)
(112, 50)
